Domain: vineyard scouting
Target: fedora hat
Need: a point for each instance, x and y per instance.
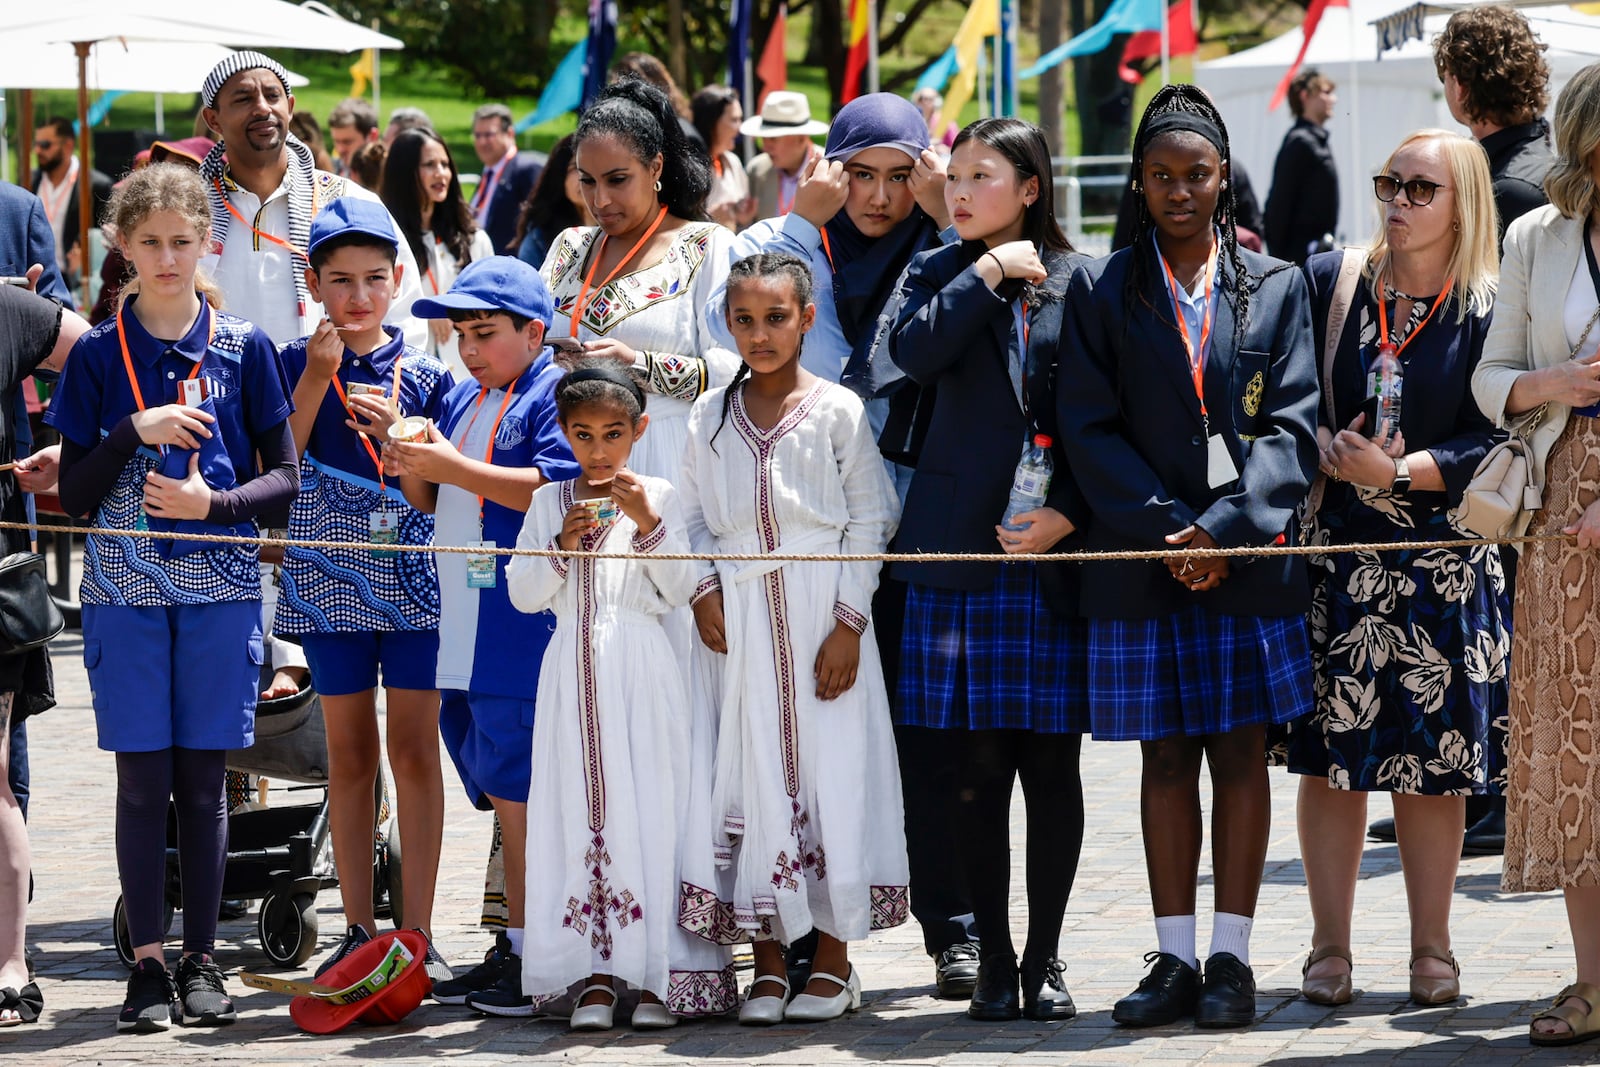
(783, 114)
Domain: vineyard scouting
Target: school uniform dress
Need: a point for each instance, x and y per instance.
(659, 312)
(1411, 648)
(487, 648)
(340, 600)
(807, 797)
(619, 784)
(1164, 660)
(438, 275)
(172, 638)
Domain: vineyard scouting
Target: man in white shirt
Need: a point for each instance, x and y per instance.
(263, 199)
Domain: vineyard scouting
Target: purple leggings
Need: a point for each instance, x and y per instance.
(193, 779)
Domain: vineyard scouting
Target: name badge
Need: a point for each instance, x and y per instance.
(192, 392)
(1219, 464)
(383, 528)
(480, 569)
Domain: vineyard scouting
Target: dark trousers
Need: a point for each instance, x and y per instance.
(931, 769)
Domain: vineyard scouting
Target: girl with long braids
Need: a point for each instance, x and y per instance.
(1188, 406)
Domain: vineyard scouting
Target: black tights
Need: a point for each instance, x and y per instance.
(1048, 767)
(192, 778)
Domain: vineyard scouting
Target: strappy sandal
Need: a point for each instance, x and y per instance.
(1581, 1025)
(1330, 989)
(27, 1002)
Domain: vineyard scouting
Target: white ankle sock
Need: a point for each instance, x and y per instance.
(1231, 933)
(1175, 936)
(514, 935)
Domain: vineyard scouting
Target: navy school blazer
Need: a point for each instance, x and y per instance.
(1136, 441)
(953, 332)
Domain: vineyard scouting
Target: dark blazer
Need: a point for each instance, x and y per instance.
(506, 202)
(100, 193)
(26, 239)
(1519, 159)
(1136, 442)
(1303, 204)
(953, 332)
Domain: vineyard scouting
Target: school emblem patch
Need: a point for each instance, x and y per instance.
(1252, 394)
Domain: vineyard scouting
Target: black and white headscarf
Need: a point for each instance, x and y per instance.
(302, 179)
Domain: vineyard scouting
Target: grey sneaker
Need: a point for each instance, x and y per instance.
(438, 970)
(201, 994)
(152, 1001)
(354, 938)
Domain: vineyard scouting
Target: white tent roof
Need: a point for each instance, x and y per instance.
(1380, 101)
(132, 66)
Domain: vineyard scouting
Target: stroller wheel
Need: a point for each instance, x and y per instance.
(392, 872)
(119, 928)
(287, 926)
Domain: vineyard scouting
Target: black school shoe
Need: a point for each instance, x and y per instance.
(1166, 994)
(996, 997)
(1227, 995)
(955, 971)
(484, 976)
(1044, 991)
(152, 1001)
(201, 995)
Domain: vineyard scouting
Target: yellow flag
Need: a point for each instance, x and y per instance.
(361, 73)
(983, 20)
(1586, 9)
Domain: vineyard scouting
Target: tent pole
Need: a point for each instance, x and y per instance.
(161, 116)
(24, 137)
(1354, 111)
(377, 75)
(85, 161)
(1166, 45)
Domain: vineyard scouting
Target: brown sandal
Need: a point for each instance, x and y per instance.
(1581, 1025)
(1431, 991)
(1332, 989)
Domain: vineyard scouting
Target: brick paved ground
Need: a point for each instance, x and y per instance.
(1513, 951)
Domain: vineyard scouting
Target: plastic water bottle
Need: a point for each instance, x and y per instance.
(1031, 484)
(1388, 381)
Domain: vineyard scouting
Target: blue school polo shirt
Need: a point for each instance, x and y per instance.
(353, 591)
(250, 395)
(486, 645)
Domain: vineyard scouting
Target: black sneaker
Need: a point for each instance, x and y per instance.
(152, 1002)
(955, 971)
(505, 997)
(438, 970)
(202, 995)
(354, 938)
(484, 976)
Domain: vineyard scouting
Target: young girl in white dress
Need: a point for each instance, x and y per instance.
(614, 764)
(807, 795)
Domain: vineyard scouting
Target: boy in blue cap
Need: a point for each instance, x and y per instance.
(359, 611)
(496, 441)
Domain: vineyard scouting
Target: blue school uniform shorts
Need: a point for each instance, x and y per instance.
(348, 663)
(490, 740)
(174, 677)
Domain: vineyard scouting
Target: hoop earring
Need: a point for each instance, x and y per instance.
(658, 185)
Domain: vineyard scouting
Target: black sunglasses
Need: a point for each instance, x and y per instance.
(1419, 191)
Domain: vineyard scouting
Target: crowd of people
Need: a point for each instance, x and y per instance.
(648, 348)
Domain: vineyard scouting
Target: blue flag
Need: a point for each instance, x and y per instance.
(602, 44)
(1123, 16)
(739, 15)
(563, 92)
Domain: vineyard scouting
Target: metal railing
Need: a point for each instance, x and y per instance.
(1097, 179)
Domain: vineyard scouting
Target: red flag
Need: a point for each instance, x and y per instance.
(773, 66)
(1307, 29)
(855, 61)
(1181, 41)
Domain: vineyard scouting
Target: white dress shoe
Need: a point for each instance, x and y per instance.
(809, 1008)
(764, 1011)
(593, 1016)
(648, 1016)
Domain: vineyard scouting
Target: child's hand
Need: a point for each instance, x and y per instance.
(432, 460)
(285, 683)
(37, 473)
(178, 498)
(628, 491)
(371, 415)
(709, 621)
(607, 348)
(442, 330)
(822, 191)
(1019, 261)
(927, 183)
(579, 521)
(324, 351)
(172, 424)
(837, 660)
(1196, 573)
(1044, 528)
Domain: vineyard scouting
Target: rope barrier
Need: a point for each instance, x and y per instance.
(814, 557)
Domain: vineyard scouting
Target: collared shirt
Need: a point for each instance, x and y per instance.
(1193, 305)
(484, 194)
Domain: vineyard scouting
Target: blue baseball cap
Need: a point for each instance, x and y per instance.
(499, 283)
(348, 215)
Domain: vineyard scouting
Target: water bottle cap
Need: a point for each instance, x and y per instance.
(1043, 440)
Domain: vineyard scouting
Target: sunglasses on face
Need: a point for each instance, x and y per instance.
(1419, 191)
(44, 146)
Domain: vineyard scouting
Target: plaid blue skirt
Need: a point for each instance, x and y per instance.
(998, 659)
(1195, 672)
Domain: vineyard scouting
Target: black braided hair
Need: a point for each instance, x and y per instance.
(641, 116)
(760, 265)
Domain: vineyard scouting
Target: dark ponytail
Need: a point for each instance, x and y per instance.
(639, 114)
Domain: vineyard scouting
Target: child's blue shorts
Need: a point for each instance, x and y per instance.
(174, 677)
(342, 664)
(490, 740)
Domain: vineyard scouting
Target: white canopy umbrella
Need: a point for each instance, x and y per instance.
(117, 66)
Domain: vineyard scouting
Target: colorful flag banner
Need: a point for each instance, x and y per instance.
(773, 66)
(1307, 30)
(1182, 40)
(1123, 16)
(981, 22)
(855, 60)
(564, 91)
(602, 43)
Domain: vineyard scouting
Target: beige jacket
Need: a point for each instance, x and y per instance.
(1542, 250)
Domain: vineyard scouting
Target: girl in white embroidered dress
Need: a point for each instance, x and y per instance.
(807, 788)
(613, 755)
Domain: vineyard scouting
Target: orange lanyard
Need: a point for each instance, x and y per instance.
(494, 431)
(428, 271)
(1383, 319)
(279, 241)
(594, 264)
(827, 250)
(127, 359)
(486, 187)
(338, 387)
(1197, 360)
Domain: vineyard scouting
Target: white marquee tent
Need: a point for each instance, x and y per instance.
(1380, 100)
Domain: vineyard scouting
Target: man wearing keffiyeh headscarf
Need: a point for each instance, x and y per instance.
(264, 190)
(874, 200)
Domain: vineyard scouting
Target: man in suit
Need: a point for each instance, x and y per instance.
(1303, 206)
(786, 130)
(55, 147)
(507, 178)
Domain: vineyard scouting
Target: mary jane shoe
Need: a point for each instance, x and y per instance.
(593, 1016)
(764, 1011)
(809, 1008)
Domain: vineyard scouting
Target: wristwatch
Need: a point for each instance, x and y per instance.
(1402, 477)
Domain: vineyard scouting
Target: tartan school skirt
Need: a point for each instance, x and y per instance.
(994, 659)
(1195, 672)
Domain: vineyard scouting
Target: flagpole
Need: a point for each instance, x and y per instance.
(872, 46)
(377, 76)
(1166, 45)
(1354, 111)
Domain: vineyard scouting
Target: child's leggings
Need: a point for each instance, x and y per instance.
(192, 778)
